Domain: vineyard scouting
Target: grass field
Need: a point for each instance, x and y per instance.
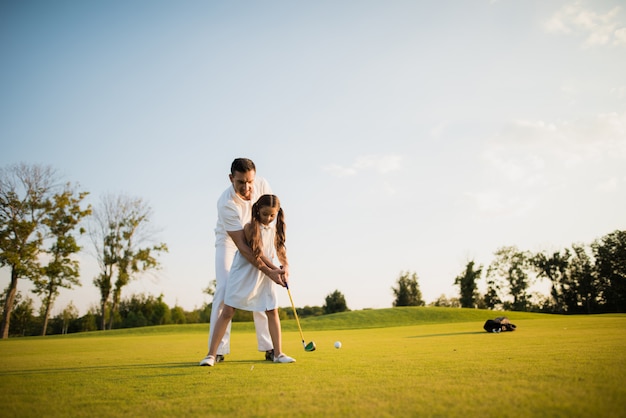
(426, 362)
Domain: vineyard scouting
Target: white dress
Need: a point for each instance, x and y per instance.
(247, 287)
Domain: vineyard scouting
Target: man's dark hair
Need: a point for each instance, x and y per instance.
(242, 165)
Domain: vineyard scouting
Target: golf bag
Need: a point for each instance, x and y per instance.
(499, 324)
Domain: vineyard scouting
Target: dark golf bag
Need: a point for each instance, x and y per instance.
(499, 324)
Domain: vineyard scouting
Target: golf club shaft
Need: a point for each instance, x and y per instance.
(295, 314)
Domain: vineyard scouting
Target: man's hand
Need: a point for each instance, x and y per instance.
(278, 276)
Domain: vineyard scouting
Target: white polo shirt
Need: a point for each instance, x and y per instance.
(233, 212)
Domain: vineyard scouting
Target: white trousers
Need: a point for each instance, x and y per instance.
(224, 256)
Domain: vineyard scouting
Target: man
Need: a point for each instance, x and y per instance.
(234, 209)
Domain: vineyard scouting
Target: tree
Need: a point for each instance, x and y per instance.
(512, 266)
(467, 285)
(61, 271)
(141, 310)
(178, 315)
(23, 317)
(69, 314)
(25, 198)
(575, 286)
(555, 267)
(89, 321)
(444, 302)
(210, 289)
(121, 235)
(304, 312)
(335, 302)
(583, 287)
(492, 299)
(610, 256)
(408, 291)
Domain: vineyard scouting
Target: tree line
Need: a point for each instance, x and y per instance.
(40, 220)
(583, 279)
(142, 310)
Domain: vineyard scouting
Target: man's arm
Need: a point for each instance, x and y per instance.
(239, 238)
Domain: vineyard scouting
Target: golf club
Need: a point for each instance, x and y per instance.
(307, 347)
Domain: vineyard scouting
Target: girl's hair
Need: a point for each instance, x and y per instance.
(267, 200)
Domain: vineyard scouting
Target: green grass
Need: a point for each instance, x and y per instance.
(394, 362)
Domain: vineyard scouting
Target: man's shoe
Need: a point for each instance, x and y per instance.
(284, 359)
(208, 361)
(269, 355)
(219, 358)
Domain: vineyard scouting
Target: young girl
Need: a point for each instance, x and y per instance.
(247, 287)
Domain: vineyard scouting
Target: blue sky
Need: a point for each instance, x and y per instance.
(400, 135)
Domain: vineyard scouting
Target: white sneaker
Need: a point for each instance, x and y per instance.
(208, 361)
(283, 358)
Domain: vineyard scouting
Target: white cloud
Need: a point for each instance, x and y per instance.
(495, 203)
(569, 89)
(619, 92)
(436, 131)
(610, 185)
(619, 37)
(381, 164)
(525, 170)
(612, 126)
(533, 158)
(602, 136)
(339, 171)
(598, 28)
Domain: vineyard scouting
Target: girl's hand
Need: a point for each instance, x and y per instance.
(276, 275)
(285, 275)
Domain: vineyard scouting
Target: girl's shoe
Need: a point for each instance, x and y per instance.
(283, 358)
(208, 361)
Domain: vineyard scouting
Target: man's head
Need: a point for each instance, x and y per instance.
(242, 174)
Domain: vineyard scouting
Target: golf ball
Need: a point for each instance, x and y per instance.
(337, 344)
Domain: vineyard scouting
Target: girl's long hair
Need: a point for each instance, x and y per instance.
(272, 201)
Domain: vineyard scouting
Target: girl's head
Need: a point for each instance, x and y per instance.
(265, 211)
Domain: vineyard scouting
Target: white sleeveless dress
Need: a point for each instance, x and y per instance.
(247, 287)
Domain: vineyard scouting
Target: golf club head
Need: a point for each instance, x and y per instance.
(310, 346)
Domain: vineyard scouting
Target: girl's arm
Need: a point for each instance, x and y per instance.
(239, 238)
(281, 280)
(263, 260)
(268, 262)
(284, 264)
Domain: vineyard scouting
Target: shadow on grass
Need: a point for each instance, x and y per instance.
(171, 367)
(78, 369)
(449, 334)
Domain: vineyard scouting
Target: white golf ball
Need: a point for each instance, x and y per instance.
(337, 344)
